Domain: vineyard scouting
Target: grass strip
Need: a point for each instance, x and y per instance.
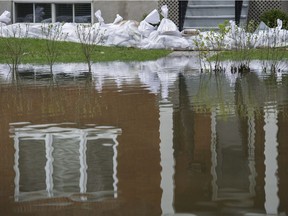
(70, 52)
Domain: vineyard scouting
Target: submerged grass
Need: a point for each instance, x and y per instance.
(253, 54)
(70, 52)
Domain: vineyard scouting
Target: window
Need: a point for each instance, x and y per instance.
(82, 13)
(64, 13)
(24, 12)
(52, 12)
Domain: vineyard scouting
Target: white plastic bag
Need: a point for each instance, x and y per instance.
(117, 20)
(167, 26)
(99, 17)
(145, 26)
(5, 17)
(153, 17)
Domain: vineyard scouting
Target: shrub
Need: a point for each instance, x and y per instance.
(270, 18)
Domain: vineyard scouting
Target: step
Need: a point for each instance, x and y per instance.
(228, 17)
(212, 11)
(206, 22)
(202, 28)
(214, 6)
(206, 28)
(209, 14)
(202, 10)
(210, 2)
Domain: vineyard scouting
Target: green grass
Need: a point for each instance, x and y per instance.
(253, 54)
(69, 52)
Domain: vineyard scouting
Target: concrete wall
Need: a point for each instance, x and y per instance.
(5, 5)
(129, 10)
(284, 6)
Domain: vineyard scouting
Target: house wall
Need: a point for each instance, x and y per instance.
(5, 5)
(129, 10)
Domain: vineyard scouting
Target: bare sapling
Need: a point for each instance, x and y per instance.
(52, 33)
(14, 47)
(88, 36)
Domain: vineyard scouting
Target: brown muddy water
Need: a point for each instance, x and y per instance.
(153, 138)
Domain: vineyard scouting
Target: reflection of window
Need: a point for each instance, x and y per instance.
(53, 12)
(65, 162)
(32, 149)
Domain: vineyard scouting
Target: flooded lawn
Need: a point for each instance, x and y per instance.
(153, 138)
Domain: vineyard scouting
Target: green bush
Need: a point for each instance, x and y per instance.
(270, 18)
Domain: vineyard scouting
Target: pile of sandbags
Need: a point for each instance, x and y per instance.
(152, 33)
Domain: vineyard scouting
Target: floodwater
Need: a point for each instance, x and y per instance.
(153, 138)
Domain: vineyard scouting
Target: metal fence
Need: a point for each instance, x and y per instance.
(256, 8)
(177, 9)
(173, 6)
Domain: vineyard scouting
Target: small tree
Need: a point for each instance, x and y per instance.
(52, 33)
(270, 18)
(14, 46)
(88, 37)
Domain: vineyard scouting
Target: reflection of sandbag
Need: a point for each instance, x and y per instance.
(5, 17)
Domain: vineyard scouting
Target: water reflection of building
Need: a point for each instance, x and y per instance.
(138, 157)
(210, 146)
(65, 162)
(228, 161)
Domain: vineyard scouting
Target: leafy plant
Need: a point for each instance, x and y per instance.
(216, 41)
(270, 18)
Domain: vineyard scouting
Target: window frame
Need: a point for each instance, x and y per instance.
(53, 4)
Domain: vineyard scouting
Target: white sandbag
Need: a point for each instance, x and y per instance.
(124, 34)
(153, 17)
(167, 26)
(118, 19)
(5, 17)
(99, 17)
(160, 41)
(145, 28)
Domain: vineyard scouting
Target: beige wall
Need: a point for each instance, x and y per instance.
(284, 6)
(5, 5)
(129, 10)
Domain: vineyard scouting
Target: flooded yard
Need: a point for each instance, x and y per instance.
(150, 138)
